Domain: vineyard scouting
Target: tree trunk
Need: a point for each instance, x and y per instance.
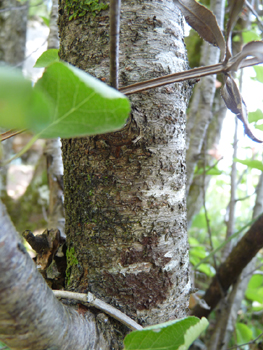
(125, 191)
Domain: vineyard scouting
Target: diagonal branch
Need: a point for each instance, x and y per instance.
(228, 271)
(194, 73)
(30, 315)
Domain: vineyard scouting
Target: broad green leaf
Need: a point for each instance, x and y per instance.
(259, 127)
(82, 105)
(19, 102)
(45, 20)
(193, 241)
(212, 171)
(47, 57)
(65, 102)
(255, 294)
(255, 281)
(254, 290)
(199, 252)
(256, 164)
(244, 333)
(250, 35)
(206, 269)
(255, 116)
(171, 335)
(259, 73)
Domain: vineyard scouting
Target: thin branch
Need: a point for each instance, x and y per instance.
(228, 271)
(115, 6)
(20, 63)
(10, 133)
(248, 343)
(99, 304)
(206, 213)
(194, 73)
(260, 23)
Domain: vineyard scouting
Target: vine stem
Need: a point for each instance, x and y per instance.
(194, 73)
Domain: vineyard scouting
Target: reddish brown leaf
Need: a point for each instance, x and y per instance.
(253, 48)
(204, 22)
(235, 7)
(234, 101)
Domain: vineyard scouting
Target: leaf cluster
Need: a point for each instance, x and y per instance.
(204, 22)
(79, 8)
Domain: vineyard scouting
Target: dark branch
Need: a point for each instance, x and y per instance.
(195, 73)
(228, 271)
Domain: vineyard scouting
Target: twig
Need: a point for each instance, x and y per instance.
(194, 73)
(206, 213)
(248, 343)
(20, 63)
(115, 6)
(99, 304)
(232, 203)
(224, 243)
(10, 133)
(260, 23)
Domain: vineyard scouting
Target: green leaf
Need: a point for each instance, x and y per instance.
(65, 102)
(260, 127)
(254, 290)
(82, 105)
(199, 252)
(244, 333)
(256, 164)
(259, 73)
(255, 116)
(255, 294)
(45, 20)
(19, 102)
(250, 35)
(171, 335)
(211, 171)
(255, 281)
(206, 269)
(47, 57)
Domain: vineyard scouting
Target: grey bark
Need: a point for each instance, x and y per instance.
(13, 32)
(129, 224)
(30, 315)
(52, 150)
(195, 195)
(200, 113)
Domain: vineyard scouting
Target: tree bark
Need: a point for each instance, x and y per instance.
(125, 191)
(30, 315)
(200, 113)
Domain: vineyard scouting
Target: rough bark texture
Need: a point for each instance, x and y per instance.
(30, 315)
(229, 271)
(125, 191)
